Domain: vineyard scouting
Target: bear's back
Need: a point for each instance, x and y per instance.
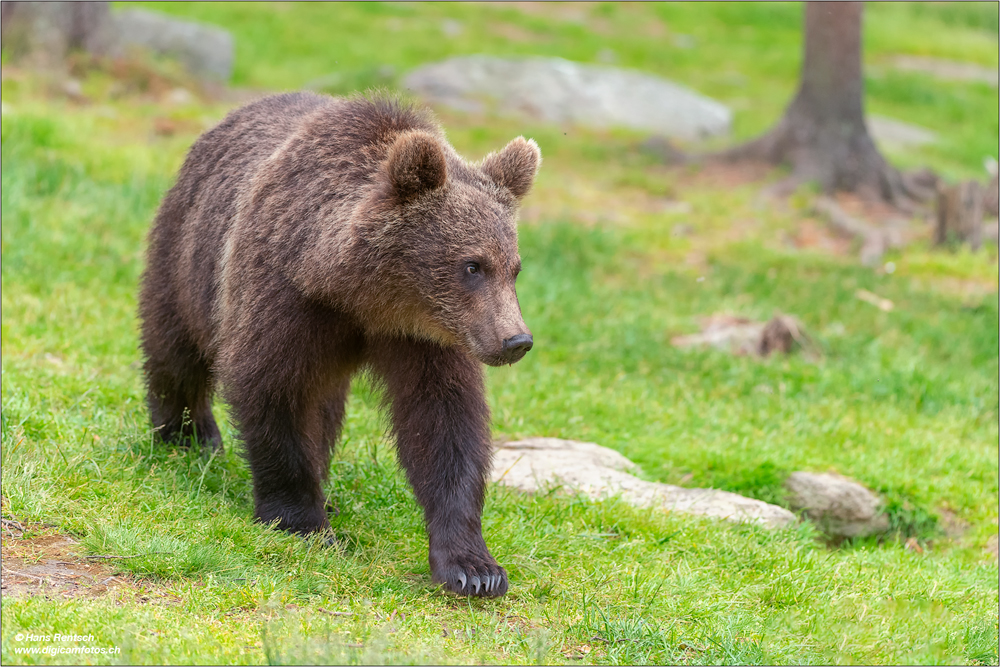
(347, 136)
(186, 242)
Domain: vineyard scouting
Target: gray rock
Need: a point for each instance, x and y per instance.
(839, 506)
(560, 91)
(206, 51)
(599, 472)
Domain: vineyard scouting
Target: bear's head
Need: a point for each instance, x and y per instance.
(449, 234)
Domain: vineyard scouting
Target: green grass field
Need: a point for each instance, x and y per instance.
(906, 401)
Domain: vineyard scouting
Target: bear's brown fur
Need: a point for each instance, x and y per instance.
(308, 238)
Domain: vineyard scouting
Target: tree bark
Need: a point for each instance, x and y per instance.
(822, 134)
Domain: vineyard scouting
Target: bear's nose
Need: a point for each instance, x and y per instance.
(516, 347)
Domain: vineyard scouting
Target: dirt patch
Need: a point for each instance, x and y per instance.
(725, 175)
(953, 525)
(567, 12)
(992, 549)
(515, 33)
(651, 26)
(38, 560)
(873, 211)
(815, 235)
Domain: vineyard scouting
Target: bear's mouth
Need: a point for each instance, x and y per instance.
(511, 352)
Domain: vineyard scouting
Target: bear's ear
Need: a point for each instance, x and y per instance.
(416, 164)
(515, 166)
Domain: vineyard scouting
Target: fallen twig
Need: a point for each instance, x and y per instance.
(11, 522)
(334, 613)
(151, 553)
(874, 299)
(597, 638)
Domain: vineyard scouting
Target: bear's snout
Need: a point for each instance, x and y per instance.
(516, 347)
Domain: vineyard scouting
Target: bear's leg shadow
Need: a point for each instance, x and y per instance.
(178, 379)
(441, 421)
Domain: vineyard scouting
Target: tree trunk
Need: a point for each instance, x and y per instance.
(823, 135)
(42, 33)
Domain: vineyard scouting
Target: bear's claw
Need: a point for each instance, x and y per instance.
(472, 574)
(478, 584)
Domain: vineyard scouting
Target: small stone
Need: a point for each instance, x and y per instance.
(180, 97)
(839, 506)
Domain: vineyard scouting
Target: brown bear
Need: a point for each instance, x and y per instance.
(308, 238)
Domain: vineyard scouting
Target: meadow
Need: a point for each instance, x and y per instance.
(620, 254)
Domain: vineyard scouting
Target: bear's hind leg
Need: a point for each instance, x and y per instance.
(180, 385)
(441, 421)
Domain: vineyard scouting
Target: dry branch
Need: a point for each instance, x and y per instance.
(127, 557)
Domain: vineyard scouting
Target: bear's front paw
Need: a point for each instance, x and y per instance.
(473, 577)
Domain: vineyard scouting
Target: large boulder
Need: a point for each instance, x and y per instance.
(206, 51)
(599, 472)
(561, 91)
(839, 506)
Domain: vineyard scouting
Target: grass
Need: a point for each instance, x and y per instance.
(905, 401)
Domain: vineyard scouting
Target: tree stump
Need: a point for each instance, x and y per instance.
(960, 214)
(41, 34)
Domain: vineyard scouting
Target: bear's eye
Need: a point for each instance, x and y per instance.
(472, 268)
